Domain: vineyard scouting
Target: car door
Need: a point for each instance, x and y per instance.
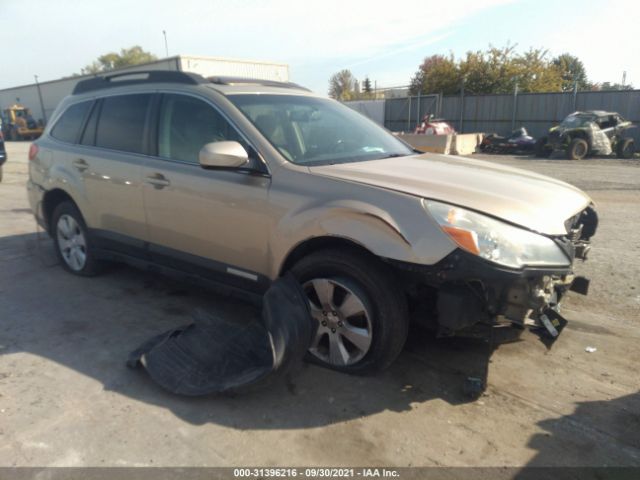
(211, 221)
(104, 176)
(110, 157)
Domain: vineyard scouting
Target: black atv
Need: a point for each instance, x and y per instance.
(593, 132)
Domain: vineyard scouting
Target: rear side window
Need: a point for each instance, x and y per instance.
(67, 128)
(121, 123)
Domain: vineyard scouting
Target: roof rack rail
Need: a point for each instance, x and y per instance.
(137, 77)
(220, 80)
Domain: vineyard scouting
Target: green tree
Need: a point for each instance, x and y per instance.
(366, 86)
(342, 85)
(436, 74)
(535, 73)
(128, 56)
(571, 70)
(495, 70)
(611, 86)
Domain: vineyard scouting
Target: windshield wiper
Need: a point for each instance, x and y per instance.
(395, 155)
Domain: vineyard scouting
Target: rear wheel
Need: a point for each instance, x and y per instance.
(361, 313)
(72, 242)
(626, 148)
(578, 149)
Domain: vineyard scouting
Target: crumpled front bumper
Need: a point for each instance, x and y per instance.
(470, 290)
(473, 291)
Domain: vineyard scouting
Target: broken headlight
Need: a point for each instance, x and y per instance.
(494, 240)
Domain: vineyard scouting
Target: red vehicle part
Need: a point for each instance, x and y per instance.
(431, 126)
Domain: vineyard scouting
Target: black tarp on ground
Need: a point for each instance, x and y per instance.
(213, 355)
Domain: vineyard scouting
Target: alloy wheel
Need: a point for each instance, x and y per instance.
(344, 322)
(71, 242)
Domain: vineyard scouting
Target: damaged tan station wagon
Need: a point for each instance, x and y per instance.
(234, 182)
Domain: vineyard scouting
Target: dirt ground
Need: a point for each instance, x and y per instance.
(67, 399)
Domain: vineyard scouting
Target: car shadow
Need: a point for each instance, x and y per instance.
(91, 325)
(597, 434)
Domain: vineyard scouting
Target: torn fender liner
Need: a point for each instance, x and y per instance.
(213, 355)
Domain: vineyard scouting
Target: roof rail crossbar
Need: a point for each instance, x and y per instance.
(137, 77)
(220, 80)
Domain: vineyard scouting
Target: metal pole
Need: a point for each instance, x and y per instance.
(515, 106)
(462, 105)
(419, 106)
(166, 47)
(44, 115)
(409, 116)
(575, 95)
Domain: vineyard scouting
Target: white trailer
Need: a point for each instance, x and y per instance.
(43, 103)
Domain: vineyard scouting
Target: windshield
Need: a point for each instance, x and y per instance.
(317, 131)
(577, 121)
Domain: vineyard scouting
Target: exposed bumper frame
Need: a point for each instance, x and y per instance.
(471, 290)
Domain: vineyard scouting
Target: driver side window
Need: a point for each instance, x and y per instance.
(187, 124)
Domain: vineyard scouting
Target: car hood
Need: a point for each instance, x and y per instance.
(524, 198)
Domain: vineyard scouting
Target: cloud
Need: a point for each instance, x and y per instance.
(604, 37)
(356, 28)
(298, 32)
(395, 50)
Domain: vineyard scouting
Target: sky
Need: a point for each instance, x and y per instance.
(385, 41)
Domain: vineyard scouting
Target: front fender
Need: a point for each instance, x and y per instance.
(401, 231)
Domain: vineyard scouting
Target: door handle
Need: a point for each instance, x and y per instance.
(80, 164)
(158, 180)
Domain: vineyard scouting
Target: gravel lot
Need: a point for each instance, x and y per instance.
(67, 399)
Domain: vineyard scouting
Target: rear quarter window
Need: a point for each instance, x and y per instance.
(68, 126)
(121, 123)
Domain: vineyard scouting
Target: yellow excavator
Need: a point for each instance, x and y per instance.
(19, 124)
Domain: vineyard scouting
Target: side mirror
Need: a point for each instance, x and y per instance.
(223, 155)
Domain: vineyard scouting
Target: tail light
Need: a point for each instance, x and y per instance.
(33, 151)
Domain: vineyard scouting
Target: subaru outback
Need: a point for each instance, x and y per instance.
(235, 182)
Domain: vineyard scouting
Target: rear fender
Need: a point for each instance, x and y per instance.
(63, 177)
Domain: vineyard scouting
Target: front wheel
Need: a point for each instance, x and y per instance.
(72, 242)
(361, 313)
(578, 149)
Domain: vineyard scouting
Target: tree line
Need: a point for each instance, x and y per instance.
(494, 70)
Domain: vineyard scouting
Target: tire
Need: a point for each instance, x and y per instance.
(540, 149)
(578, 149)
(348, 277)
(626, 148)
(72, 241)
